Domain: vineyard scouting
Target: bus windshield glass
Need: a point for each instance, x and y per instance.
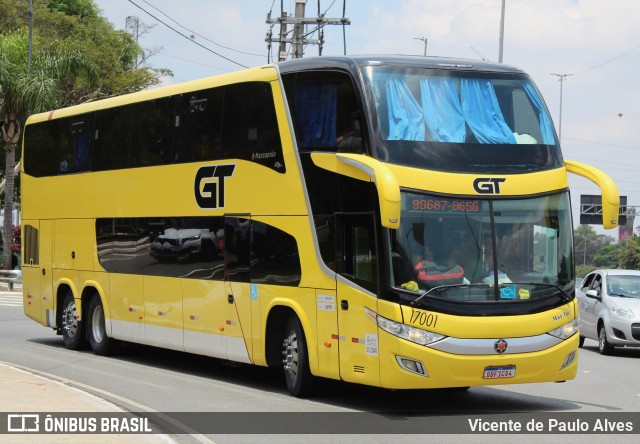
(474, 250)
(460, 121)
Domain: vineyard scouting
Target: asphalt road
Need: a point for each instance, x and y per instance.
(190, 387)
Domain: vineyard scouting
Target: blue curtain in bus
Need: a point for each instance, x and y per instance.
(545, 123)
(315, 114)
(482, 112)
(81, 149)
(406, 121)
(442, 110)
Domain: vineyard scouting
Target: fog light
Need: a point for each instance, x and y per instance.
(412, 366)
(569, 359)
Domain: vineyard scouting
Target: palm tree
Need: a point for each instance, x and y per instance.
(28, 88)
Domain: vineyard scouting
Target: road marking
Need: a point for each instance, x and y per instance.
(10, 299)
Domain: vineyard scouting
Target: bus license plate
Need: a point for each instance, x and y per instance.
(500, 372)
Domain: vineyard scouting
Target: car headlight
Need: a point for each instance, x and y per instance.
(565, 331)
(192, 238)
(416, 335)
(621, 312)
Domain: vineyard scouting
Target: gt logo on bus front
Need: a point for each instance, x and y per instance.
(209, 185)
(488, 185)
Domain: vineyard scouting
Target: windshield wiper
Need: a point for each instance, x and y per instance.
(565, 296)
(424, 293)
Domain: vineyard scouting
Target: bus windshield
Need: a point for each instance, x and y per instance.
(460, 121)
(475, 250)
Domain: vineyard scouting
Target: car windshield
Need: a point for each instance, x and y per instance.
(626, 286)
(460, 120)
(476, 250)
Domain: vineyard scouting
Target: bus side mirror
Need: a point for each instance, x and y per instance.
(610, 194)
(367, 169)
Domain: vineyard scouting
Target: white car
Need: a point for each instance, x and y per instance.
(185, 242)
(609, 305)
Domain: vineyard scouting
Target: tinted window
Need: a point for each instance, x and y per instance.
(152, 132)
(30, 255)
(237, 248)
(113, 140)
(41, 158)
(357, 255)
(187, 247)
(250, 128)
(325, 111)
(275, 256)
(198, 125)
(185, 128)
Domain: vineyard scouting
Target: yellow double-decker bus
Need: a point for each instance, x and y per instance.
(401, 222)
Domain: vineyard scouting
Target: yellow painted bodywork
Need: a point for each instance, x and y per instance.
(610, 195)
(197, 316)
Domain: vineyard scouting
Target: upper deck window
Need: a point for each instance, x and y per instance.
(461, 121)
(325, 111)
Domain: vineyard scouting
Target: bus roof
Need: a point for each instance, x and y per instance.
(352, 62)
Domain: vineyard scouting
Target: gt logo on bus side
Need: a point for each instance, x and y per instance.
(209, 185)
(488, 185)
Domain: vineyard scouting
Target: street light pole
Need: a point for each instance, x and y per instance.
(30, 31)
(501, 33)
(424, 39)
(561, 78)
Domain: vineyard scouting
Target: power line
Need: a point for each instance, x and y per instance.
(635, 48)
(200, 35)
(185, 36)
(299, 38)
(606, 144)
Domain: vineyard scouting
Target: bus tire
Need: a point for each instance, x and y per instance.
(101, 343)
(297, 374)
(73, 332)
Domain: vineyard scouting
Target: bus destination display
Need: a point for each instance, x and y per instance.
(446, 205)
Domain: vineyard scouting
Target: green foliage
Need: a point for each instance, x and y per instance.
(81, 8)
(583, 270)
(629, 254)
(587, 243)
(607, 256)
(75, 26)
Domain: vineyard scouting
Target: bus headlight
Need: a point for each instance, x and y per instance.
(416, 335)
(565, 331)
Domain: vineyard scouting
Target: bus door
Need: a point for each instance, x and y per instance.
(47, 308)
(357, 285)
(37, 271)
(237, 259)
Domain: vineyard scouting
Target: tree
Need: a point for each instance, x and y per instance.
(607, 256)
(587, 243)
(25, 88)
(629, 253)
(68, 37)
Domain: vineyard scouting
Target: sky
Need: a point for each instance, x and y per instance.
(595, 42)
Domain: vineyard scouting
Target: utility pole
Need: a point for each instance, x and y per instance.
(424, 39)
(501, 33)
(30, 31)
(299, 38)
(133, 27)
(561, 77)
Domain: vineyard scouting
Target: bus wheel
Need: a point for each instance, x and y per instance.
(73, 332)
(296, 359)
(101, 344)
